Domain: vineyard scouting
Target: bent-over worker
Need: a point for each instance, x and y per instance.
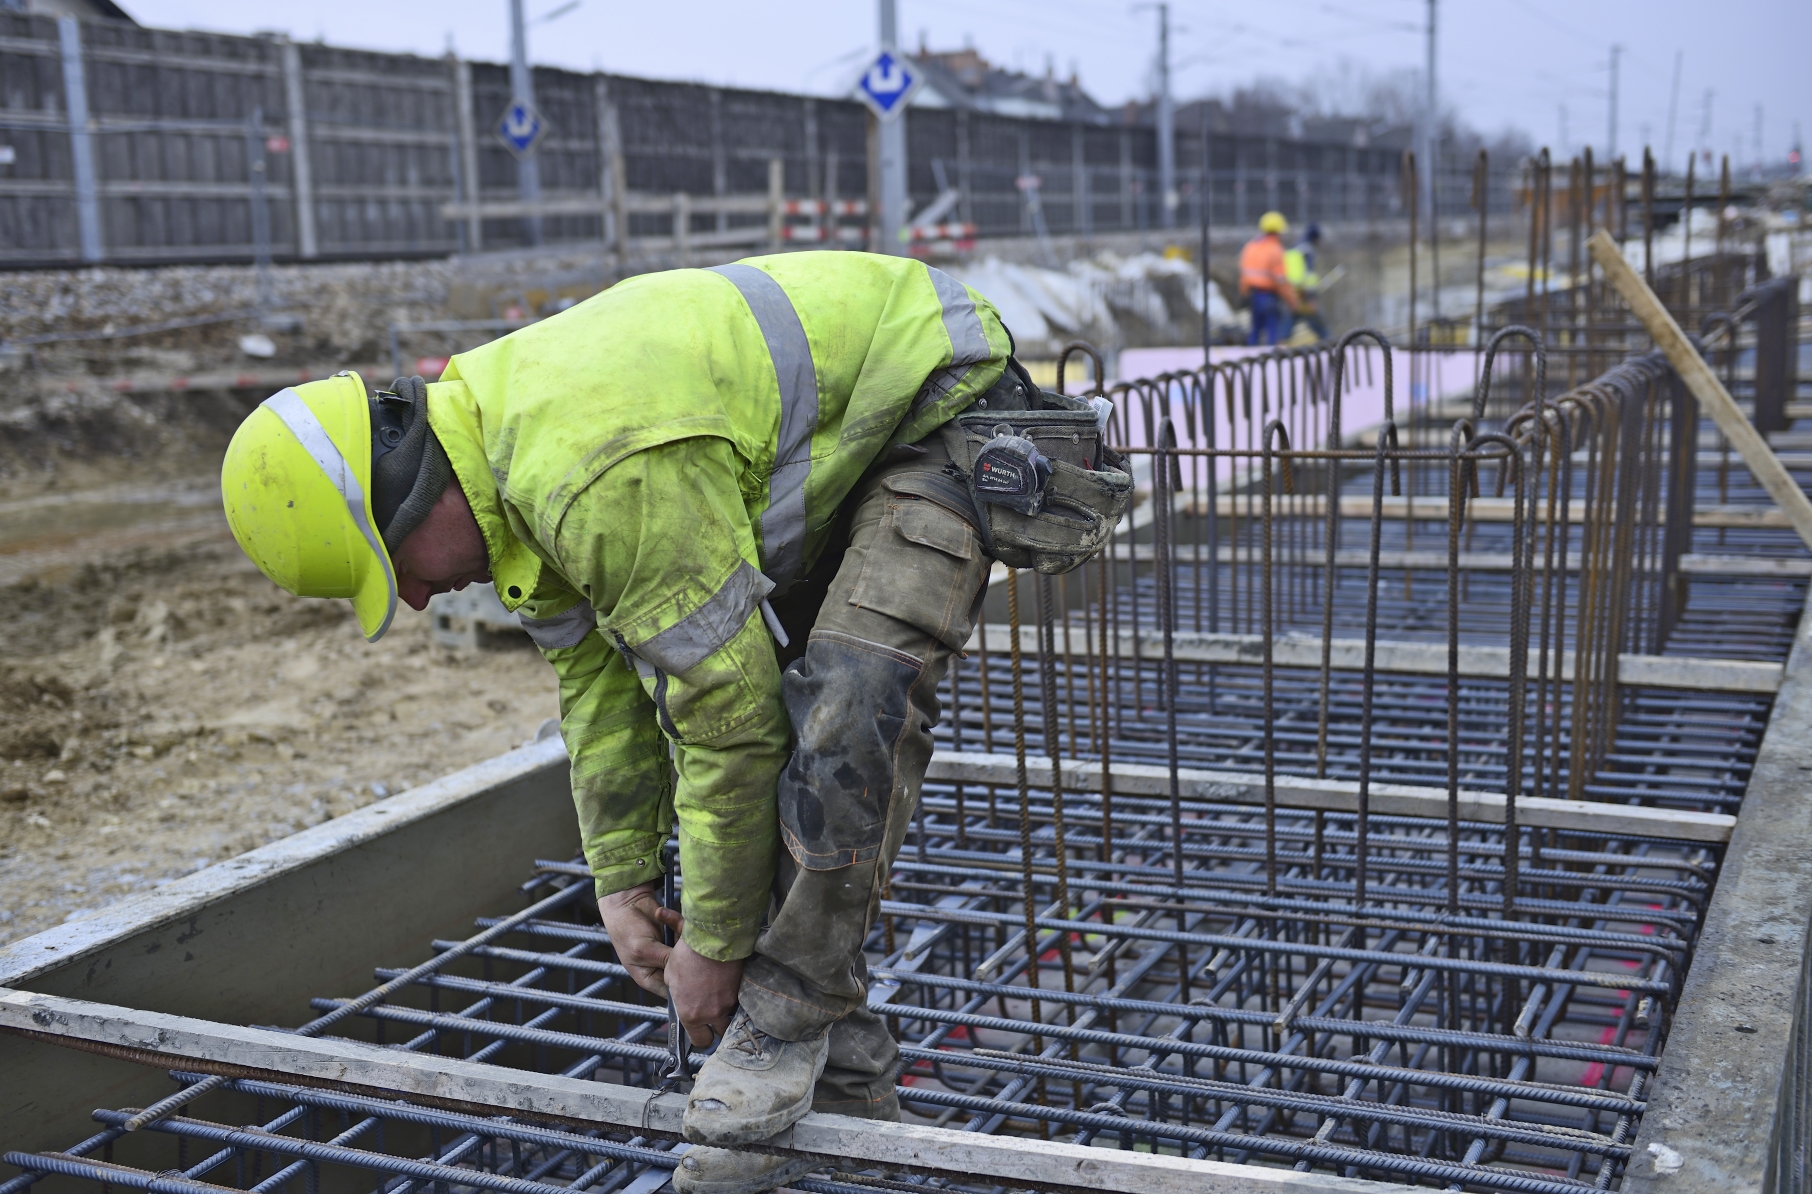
(747, 513)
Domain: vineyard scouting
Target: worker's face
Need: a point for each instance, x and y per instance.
(443, 554)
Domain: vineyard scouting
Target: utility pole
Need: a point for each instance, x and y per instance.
(1673, 109)
(1167, 133)
(1611, 142)
(890, 139)
(1759, 160)
(522, 91)
(1565, 140)
(1705, 128)
(1431, 132)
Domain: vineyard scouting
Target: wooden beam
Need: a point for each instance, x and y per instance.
(1404, 800)
(180, 1041)
(1704, 384)
(1393, 656)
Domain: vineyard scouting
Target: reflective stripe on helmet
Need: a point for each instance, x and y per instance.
(567, 629)
(783, 522)
(288, 406)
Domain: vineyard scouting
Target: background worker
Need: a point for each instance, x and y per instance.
(726, 506)
(1265, 283)
(1300, 271)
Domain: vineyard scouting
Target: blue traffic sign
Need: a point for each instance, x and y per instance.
(887, 84)
(520, 127)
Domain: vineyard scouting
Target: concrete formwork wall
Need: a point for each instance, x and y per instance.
(230, 941)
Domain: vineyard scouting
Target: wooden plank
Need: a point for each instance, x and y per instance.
(1393, 656)
(1704, 384)
(1405, 800)
(491, 1090)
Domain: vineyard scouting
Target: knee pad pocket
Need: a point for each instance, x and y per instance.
(851, 706)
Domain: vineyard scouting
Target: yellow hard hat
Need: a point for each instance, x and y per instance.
(297, 488)
(1273, 221)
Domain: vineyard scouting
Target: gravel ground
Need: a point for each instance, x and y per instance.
(163, 706)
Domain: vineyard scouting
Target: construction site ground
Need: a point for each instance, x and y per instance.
(163, 706)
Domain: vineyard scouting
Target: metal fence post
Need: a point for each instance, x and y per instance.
(776, 203)
(256, 177)
(1126, 181)
(301, 172)
(468, 153)
(81, 140)
(720, 162)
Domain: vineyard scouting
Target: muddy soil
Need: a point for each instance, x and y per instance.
(163, 706)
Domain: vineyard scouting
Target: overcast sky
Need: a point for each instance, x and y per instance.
(1507, 62)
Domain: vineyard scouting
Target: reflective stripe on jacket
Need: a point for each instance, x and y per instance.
(647, 467)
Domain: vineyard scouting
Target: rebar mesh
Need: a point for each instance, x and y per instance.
(1115, 928)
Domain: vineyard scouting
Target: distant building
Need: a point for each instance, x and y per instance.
(87, 10)
(964, 79)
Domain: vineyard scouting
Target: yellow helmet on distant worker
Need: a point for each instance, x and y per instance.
(297, 487)
(1273, 221)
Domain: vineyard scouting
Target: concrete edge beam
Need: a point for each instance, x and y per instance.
(1406, 658)
(1724, 1096)
(22, 960)
(452, 1081)
(1331, 795)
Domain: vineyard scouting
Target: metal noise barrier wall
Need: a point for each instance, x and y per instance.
(131, 144)
(1355, 813)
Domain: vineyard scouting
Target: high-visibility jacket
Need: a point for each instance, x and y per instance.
(1299, 270)
(646, 468)
(1262, 267)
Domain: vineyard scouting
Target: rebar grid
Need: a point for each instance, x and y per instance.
(1450, 1002)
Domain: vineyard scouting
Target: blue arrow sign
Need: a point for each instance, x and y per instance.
(887, 84)
(520, 127)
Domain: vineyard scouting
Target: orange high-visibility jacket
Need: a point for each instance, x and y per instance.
(1261, 267)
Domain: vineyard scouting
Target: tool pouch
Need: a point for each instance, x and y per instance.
(1046, 489)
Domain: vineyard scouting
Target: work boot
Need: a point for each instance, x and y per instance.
(752, 1086)
(729, 1171)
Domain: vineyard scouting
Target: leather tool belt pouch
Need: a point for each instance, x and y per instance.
(1047, 492)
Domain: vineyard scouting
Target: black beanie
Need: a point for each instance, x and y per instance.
(409, 468)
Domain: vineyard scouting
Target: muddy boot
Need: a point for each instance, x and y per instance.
(752, 1086)
(728, 1171)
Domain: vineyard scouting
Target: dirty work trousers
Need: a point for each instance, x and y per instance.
(871, 631)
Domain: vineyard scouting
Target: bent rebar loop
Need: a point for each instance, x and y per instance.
(1462, 481)
(1482, 394)
(1094, 356)
(1548, 430)
(1275, 433)
(1165, 481)
(1385, 451)
(1331, 529)
(1118, 420)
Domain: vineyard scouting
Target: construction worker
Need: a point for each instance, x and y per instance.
(1264, 281)
(1299, 269)
(735, 512)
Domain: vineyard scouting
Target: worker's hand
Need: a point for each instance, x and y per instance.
(634, 919)
(704, 993)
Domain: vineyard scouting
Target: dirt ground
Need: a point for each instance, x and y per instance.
(163, 706)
